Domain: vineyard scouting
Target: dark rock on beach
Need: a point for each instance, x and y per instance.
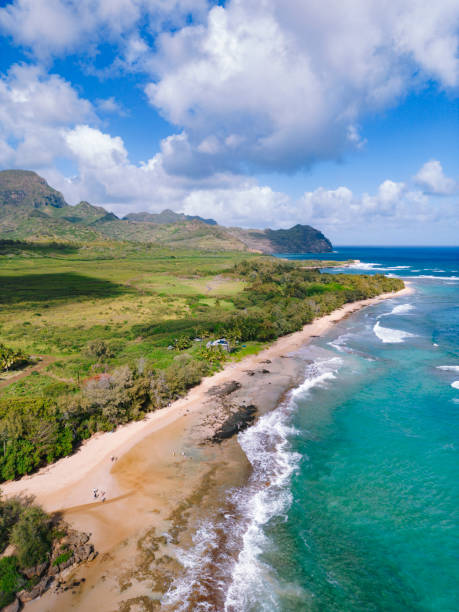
(37, 590)
(236, 422)
(225, 389)
(37, 571)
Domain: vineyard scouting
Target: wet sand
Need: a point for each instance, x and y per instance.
(167, 476)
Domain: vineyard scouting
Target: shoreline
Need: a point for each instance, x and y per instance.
(165, 472)
(97, 450)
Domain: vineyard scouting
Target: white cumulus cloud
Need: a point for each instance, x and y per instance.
(433, 180)
(55, 27)
(34, 106)
(282, 84)
(96, 150)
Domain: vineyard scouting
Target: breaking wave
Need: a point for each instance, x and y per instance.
(268, 494)
(401, 309)
(388, 335)
(222, 570)
(451, 368)
(455, 278)
(340, 344)
(360, 265)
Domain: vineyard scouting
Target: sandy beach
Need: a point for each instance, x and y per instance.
(158, 475)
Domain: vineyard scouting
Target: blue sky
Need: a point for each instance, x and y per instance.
(255, 113)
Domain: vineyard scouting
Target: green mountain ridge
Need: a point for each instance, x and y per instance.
(32, 210)
(166, 216)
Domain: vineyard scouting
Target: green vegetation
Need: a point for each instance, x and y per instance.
(62, 558)
(10, 580)
(26, 527)
(122, 329)
(11, 358)
(31, 536)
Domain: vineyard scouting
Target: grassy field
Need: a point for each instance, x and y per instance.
(54, 302)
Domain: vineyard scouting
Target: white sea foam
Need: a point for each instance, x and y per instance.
(193, 560)
(392, 336)
(455, 278)
(340, 343)
(360, 265)
(451, 368)
(455, 384)
(210, 560)
(268, 495)
(394, 267)
(401, 309)
(266, 447)
(316, 375)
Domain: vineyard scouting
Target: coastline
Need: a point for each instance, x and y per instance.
(164, 475)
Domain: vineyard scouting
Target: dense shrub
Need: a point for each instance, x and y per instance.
(31, 536)
(101, 349)
(10, 511)
(30, 531)
(32, 433)
(10, 580)
(11, 359)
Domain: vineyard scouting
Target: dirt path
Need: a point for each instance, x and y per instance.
(7, 378)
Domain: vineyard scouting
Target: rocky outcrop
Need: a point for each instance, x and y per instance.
(36, 571)
(225, 389)
(72, 549)
(23, 187)
(41, 586)
(237, 421)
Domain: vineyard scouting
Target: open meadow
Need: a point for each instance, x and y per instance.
(55, 302)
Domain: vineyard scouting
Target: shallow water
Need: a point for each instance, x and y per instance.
(352, 504)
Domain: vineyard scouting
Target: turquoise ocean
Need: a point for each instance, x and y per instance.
(361, 511)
